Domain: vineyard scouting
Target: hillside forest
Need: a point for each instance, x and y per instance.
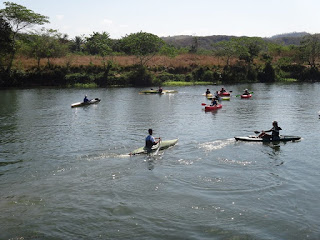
(34, 57)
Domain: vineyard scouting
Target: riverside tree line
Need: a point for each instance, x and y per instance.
(239, 59)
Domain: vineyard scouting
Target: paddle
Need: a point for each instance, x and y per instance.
(156, 152)
(203, 104)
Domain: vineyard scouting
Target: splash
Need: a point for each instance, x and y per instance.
(217, 144)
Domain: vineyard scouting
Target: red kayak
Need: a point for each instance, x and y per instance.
(246, 96)
(210, 108)
(224, 94)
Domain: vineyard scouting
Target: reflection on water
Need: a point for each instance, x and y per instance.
(66, 172)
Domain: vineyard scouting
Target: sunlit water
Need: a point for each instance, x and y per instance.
(66, 174)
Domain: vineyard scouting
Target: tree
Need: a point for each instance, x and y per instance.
(19, 17)
(99, 44)
(248, 48)
(310, 49)
(77, 44)
(47, 44)
(194, 46)
(225, 49)
(5, 39)
(143, 45)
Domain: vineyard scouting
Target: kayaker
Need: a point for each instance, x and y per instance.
(222, 90)
(160, 90)
(246, 92)
(208, 92)
(214, 102)
(217, 96)
(86, 99)
(150, 141)
(275, 135)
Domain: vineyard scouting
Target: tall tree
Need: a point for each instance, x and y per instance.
(248, 48)
(99, 44)
(19, 18)
(142, 45)
(310, 49)
(48, 44)
(225, 49)
(5, 40)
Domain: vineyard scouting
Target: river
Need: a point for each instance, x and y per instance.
(66, 174)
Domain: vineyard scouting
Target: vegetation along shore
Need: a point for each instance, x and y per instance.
(48, 58)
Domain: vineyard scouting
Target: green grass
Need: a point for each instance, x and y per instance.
(173, 83)
(83, 85)
(288, 80)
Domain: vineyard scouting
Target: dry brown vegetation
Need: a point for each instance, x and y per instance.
(184, 60)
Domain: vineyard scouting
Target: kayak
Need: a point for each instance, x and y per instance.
(211, 108)
(283, 138)
(222, 98)
(151, 92)
(80, 104)
(246, 96)
(169, 91)
(225, 98)
(224, 94)
(163, 145)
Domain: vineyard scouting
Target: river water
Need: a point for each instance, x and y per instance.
(65, 172)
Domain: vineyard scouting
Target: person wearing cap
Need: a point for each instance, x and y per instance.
(246, 92)
(86, 99)
(150, 141)
(275, 132)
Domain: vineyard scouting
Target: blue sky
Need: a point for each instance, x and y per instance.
(178, 17)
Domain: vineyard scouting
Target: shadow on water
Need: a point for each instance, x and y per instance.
(9, 163)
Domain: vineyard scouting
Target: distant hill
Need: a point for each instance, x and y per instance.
(186, 41)
(288, 35)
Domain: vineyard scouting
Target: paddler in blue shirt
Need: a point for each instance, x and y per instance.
(150, 141)
(214, 102)
(86, 99)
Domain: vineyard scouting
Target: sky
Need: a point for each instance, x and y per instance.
(259, 18)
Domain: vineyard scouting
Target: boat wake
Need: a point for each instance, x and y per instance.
(217, 144)
(93, 157)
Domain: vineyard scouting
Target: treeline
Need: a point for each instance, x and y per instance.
(236, 59)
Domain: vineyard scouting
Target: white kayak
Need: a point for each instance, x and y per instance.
(163, 145)
(80, 104)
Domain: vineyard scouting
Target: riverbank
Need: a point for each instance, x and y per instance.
(185, 69)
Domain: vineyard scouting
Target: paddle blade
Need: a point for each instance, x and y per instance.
(203, 104)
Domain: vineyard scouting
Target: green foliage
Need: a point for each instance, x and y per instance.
(248, 48)
(6, 42)
(19, 17)
(141, 77)
(142, 45)
(226, 49)
(268, 74)
(99, 44)
(46, 44)
(310, 49)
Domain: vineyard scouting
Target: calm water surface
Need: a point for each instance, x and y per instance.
(66, 174)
